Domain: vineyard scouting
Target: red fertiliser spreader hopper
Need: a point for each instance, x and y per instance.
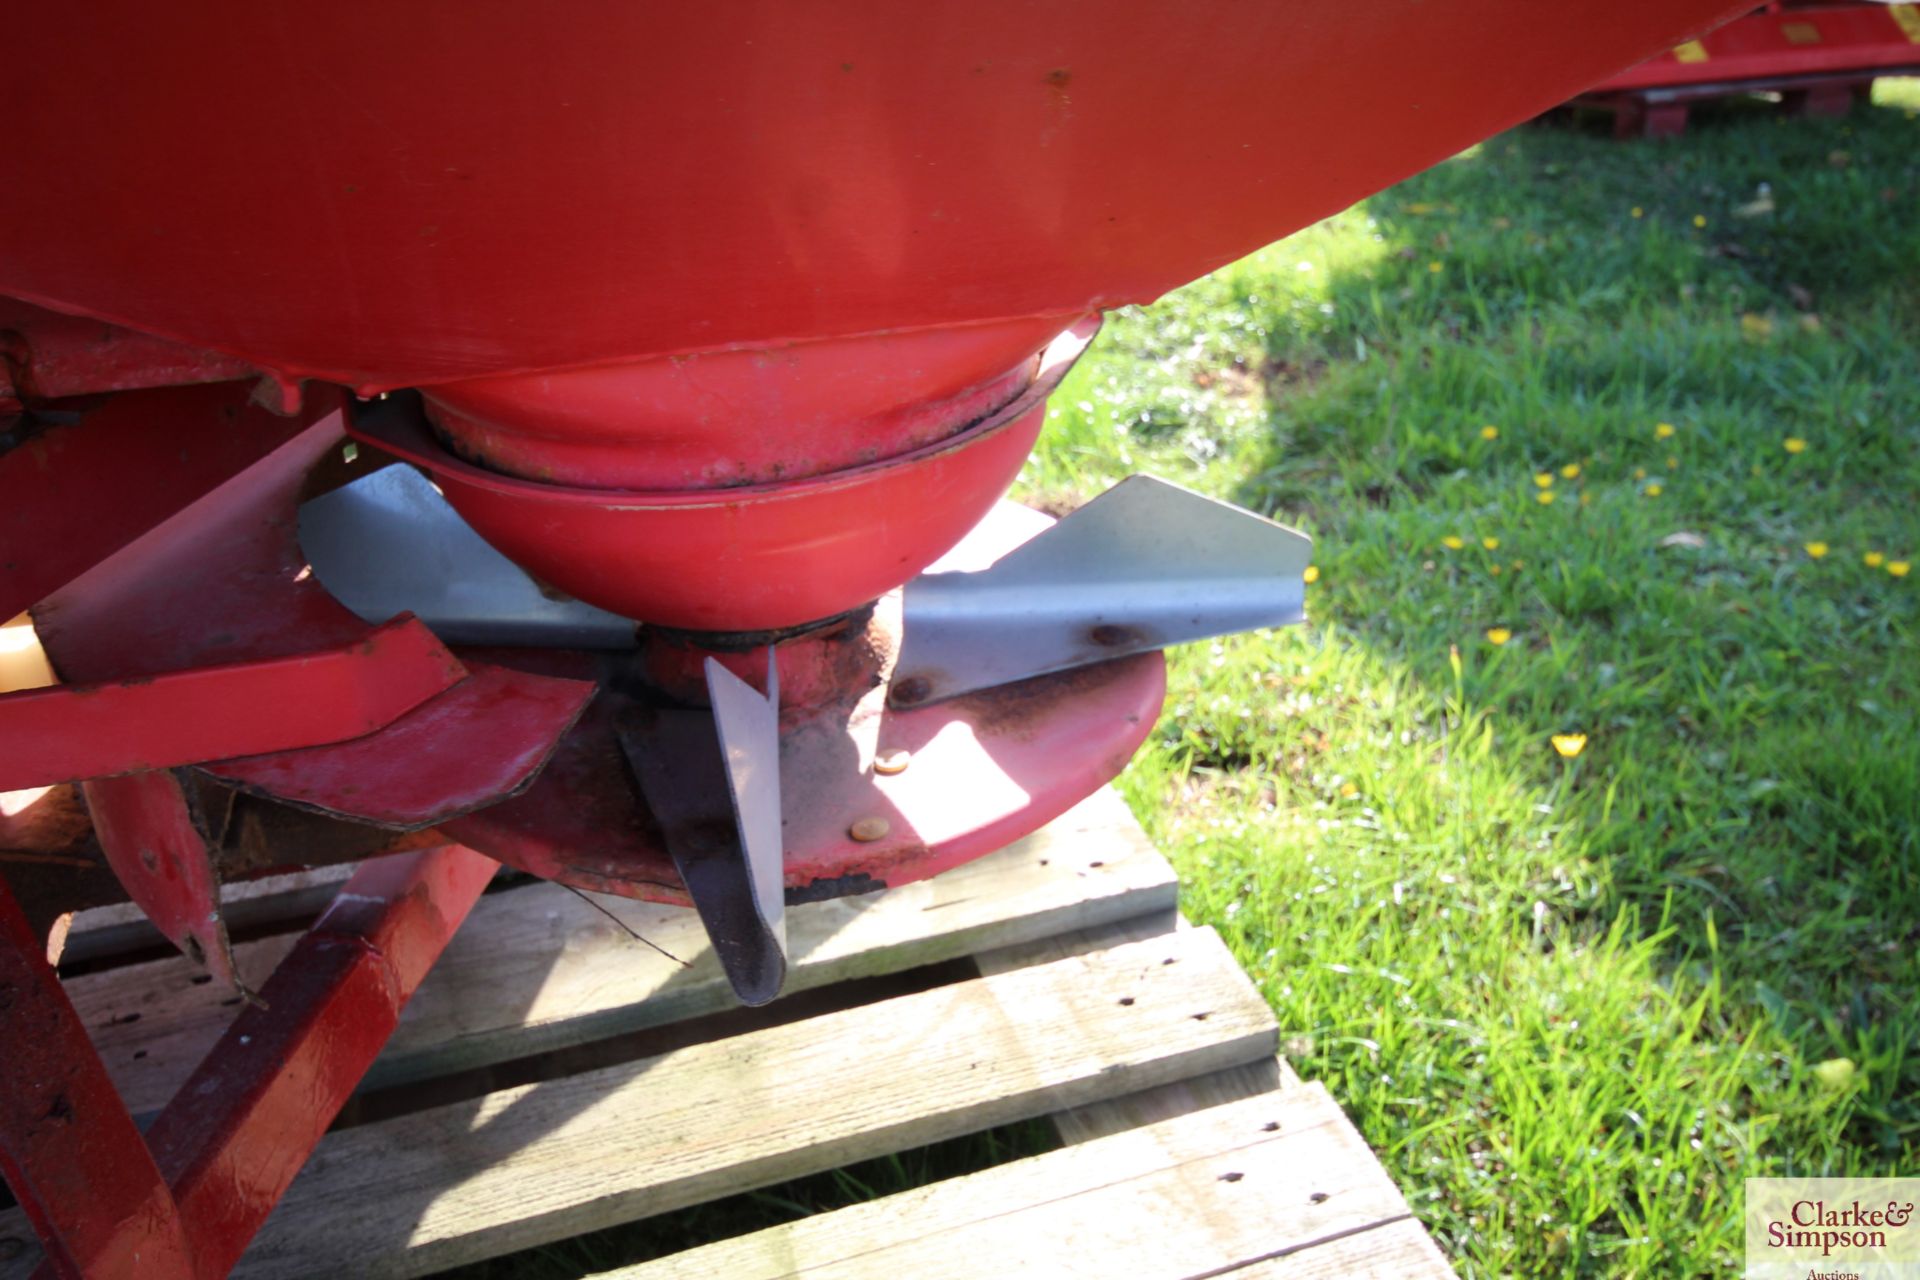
(576, 438)
(1818, 56)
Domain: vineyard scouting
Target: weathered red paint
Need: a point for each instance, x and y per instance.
(66, 732)
(221, 580)
(48, 355)
(68, 1148)
(755, 556)
(224, 582)
(514, 189)
(72, 495)
(501, 725)
(240, 1128)
(148, 832)
(730, 418)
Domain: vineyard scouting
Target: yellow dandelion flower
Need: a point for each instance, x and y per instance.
(1794, 444)
(1571, 470)
(1312, 574)
(1490, 543)
(1874, 559)
(1494, 570)
(1433, 268)
(1569, 745)
(1816, 549)
(1453, 542)
(1544, 497)
(1663, 431)
(1699, 219)
(1348, 790)
(1639, 473)
(1544, 479)
(1638, 212)
(1673, 463)
(1489, 432)
(1655, 489)
(1497, 636)
(1898, 568)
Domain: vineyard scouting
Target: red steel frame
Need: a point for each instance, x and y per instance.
(70, 731)
(1783, 40)
(186, 1200)
(1819, 54)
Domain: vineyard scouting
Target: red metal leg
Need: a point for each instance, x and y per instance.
(68, 1147)
(1830, 100)
(147, 830)
(239, 1130)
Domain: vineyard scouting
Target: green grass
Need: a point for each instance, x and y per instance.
(1571, 1003)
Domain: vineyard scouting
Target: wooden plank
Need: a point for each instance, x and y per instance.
(293, 898)
(1081, 1124)
(1169, 1101)
(1280, 1176)
(530, 1165)
(1396, 1251)
(535, 969)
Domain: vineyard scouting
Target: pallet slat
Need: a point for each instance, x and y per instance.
(526, 1166)
(1398, 1251)
(1279, 1176)
(535, 969)
(1193, 1151)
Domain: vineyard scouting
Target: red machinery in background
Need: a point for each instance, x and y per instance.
(1818, 55)
(577, 441)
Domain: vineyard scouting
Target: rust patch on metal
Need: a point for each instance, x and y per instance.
(849, 885)
(1011, 710)
(1110, 635)
(911, 691)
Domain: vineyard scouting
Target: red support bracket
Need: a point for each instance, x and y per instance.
(241, 1127)
(68, 1147)
(233, 1138)
(76, 492)
(67, 732)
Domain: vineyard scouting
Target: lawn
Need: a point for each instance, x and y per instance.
(1599, 443)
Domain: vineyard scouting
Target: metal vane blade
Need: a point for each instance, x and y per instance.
(389, 543)
(749, 728)
(713, 783)
(1145, 565)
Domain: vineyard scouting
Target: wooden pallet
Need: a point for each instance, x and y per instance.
(554, 1077)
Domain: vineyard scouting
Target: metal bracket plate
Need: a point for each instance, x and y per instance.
(389, 543)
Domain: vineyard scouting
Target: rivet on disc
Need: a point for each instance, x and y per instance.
(894, 761)
(869, 829)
